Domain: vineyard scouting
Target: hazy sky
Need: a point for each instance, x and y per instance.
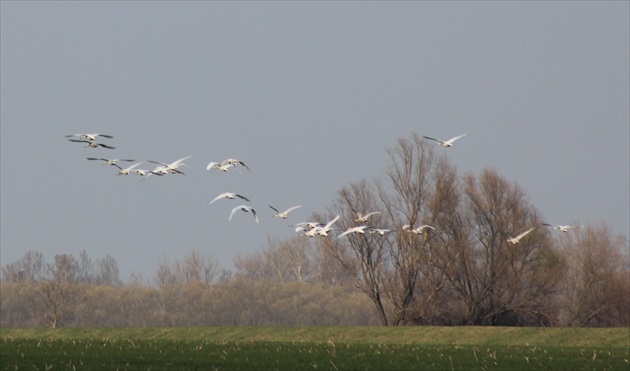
(308, 94)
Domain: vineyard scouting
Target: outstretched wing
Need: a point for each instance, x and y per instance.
(245, 166)
(370, 214)
(254, 214)
(437, 140)
(222, 195)
(291, 209)
(234, 210)
(524, 234)
(242, 197)
(450, 141)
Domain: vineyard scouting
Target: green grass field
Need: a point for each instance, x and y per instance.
(316, 348)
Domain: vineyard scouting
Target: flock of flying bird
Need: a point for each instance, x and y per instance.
(310, 229)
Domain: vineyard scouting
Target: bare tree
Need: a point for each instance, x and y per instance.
(107, 272)
(85, 268)
(498, 282)
(59, 293)
(403, 267)
(420, 189)
(199, 268)
(361, 255)
(596, 282)
(29, 268)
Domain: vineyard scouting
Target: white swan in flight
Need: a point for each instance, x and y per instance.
(108, 161)
(159, 170)
(229, 196)
(234, 162)
(283, 214)
(92, 144)
(305, 227)
(360, 229)
(244, 208)
(141, 172)
(309, 225)
(517, 239)
(418, 230)
(322, 231)
(172, 168)
(380, 231)
(90, 137)
(127, 170)
(445, 143)
(561, 228)
(218, 166)
(363, 218)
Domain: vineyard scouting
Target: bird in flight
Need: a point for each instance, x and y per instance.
(517, 239)
(380, 231)
(234, 162)
(445, 143)
(218, 166)
(229, 196)
(108, 161)
(90, 137)
(305, 227)
(91, 143)
(141, 172)
(322, 231)
(127, 170)
(363, 218)
(283, 214)
(561, 228)
(171, 168)
(360, 229)
(244, 208)
(418, 230)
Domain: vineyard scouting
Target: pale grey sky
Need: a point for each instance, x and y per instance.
(310, 95)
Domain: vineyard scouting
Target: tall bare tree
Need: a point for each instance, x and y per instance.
(416, 191)
(361, 255)
(500, 282)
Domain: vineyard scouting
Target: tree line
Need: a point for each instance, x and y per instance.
(462, 272)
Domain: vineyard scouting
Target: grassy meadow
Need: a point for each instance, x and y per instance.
(315, 348)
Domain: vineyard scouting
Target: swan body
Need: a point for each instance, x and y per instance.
(418, 230)
(127, 170)
(283, 214)
(229, 196)
(363, 218)
(108, 161)
(380, 231)
(91, 144)
(360, 229)
(234, 162)
(561, 228)
(323, 231)
(90, 137)
(218, 166)
(172, 168)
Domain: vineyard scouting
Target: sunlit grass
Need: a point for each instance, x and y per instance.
(326, 348)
